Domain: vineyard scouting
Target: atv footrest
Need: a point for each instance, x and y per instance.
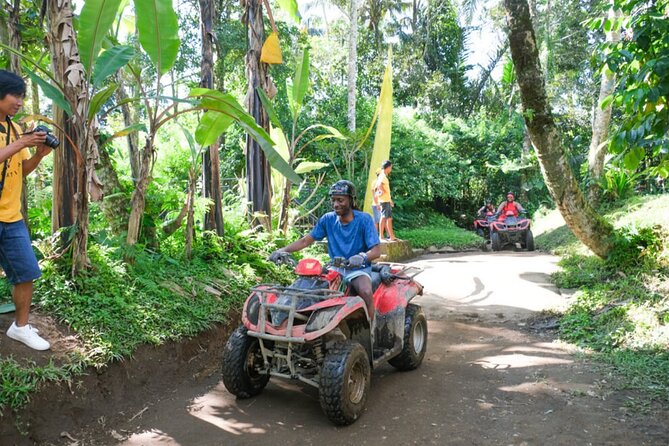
(381, 355)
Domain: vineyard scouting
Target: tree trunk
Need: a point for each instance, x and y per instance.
(15, 36)
(285, 205)
(129, 118)
(71, 172)
(138, 201)
(525, 156)
(171, 226)
(190, 221)
(601, 120)
(352, 64)
(211, 164)
(584, 222)
(34, 102)
(257, 168)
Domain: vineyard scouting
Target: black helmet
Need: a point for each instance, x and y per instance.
(344, 187)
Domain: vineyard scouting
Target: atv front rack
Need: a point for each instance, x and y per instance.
(285, 358)
(295, 295)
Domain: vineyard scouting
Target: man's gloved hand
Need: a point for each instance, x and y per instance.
(356, 261)
(277, 255)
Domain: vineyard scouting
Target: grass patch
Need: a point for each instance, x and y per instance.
(621, 310)
(19, 380)
(439, 231)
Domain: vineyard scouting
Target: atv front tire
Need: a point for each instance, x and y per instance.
(344, 385)
(495, 241)
(415, 340)
(241, 360)
(529, 241)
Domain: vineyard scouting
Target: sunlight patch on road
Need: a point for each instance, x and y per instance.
(516, 361)
(469, 347)
(153, 437)
(543, 347)
(216, 409)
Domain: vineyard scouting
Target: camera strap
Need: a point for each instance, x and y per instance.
(10, 127)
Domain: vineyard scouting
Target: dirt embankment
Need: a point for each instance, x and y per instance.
(111, 395)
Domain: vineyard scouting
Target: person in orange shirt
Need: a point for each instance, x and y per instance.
(385, 201)
(16, 253)
(509, 207)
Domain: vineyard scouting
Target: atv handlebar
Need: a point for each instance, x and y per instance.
(284, 258)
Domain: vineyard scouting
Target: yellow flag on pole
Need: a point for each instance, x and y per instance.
(383, 130)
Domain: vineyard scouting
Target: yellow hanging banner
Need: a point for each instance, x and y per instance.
(271, 50)
(383, 130)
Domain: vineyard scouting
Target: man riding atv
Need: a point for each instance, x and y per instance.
(509, 208)
(351, 234)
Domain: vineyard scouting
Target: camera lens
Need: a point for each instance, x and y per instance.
(51, 141)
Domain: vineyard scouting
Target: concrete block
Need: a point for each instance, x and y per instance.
(396, 251)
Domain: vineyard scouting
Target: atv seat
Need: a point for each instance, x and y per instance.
(378, 272)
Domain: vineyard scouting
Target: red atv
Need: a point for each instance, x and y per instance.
(513, 230)
(482, 224)
(316, 332)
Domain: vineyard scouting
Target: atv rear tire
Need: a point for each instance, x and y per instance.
(415, 340)
(529, 241)
(495, 241)
(241, 359)
(344, 385)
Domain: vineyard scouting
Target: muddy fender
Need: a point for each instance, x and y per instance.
(414, 342)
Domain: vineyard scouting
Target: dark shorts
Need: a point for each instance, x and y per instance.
(17, 257)
(386, 210)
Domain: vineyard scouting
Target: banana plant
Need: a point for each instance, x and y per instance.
(296, 89)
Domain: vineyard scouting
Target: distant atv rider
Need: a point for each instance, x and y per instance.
(351, 234)
(488, 209)
(509, 207)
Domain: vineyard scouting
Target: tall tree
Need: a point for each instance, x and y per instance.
(257, 167)
(602, 115)
(14, 24)
(581, 218)
(211, 164)
(162, 48)
(71, 162)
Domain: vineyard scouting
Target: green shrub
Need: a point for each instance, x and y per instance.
(637, 247)
(579, 270)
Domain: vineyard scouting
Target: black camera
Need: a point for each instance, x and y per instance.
(50, 140)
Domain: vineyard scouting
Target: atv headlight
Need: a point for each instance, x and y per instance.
(320, 318)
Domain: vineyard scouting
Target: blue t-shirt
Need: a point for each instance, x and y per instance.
(346, 240)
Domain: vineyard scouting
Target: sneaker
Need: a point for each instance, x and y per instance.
(28, 335)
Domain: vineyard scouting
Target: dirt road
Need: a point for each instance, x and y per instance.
(488, 379)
